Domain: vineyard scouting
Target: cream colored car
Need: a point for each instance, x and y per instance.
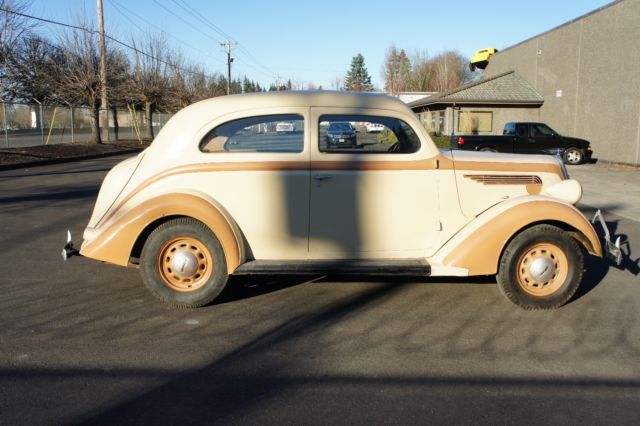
(222, 192)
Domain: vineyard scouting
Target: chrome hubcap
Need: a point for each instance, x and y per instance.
(184, 264)
(542, 269)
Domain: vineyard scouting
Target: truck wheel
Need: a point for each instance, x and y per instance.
(487, 149)
(573, 156)
(182, 263)
(541, 268)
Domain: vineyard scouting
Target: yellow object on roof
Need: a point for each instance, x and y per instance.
(480, 59)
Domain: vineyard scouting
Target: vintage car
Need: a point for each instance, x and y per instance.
(218, 194)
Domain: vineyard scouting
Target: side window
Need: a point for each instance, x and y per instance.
(509, 129)
(266, 133)
(541, 130)
(521, 130)
(366, 134)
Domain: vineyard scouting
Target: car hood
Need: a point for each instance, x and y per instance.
(496, 161)
(580, 143)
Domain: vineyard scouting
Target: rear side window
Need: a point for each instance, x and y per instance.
(366, 134)
(266, 133)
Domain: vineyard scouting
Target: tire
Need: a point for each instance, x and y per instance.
(541, 246)
(487, 149)
(573, 156)
(188, 241)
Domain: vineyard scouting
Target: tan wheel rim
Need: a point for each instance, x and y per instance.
(542, 269)
(185, 264)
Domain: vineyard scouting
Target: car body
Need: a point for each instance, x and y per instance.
(528, 138)
(342, 133)
(374, 127)
(194, 208)
(481, 57)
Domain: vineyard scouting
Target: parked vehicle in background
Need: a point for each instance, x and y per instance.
(374, 127)
(284, 126)
(342, 134)
(193, 208)
(527, 138)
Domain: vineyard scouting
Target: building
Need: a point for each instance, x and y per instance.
(588, 74)
(481, 107)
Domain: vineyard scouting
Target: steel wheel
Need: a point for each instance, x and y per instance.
(184, 264)
(542, 270)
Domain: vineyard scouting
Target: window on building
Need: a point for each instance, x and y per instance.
(472, 122)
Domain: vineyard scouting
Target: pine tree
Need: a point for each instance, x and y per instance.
(358, 79)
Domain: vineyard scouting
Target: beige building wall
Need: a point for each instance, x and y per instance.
(588, 72)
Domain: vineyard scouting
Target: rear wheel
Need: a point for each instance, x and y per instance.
(182, 263)
(541, 268)
(573, 156)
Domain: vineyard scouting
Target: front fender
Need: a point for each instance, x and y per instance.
(479, 245)
(114, 242)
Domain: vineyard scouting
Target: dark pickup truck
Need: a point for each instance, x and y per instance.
(527, 138)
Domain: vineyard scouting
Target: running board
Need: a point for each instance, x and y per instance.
(408, 267)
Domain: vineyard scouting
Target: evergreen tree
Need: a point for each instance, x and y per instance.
(358, 78)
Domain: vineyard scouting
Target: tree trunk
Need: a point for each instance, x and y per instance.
(95, 125)
(116, 128)
(149, 114)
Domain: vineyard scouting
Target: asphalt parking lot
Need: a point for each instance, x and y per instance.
(85, 342)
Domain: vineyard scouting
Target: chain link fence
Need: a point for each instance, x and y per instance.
(23, 125)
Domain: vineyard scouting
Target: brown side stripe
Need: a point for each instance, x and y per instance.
(505, 179)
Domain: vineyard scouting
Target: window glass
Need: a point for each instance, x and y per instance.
(521, 130)
(366, 134)
(474, 122)
(267, 133)
(538, 129)
(509, 129)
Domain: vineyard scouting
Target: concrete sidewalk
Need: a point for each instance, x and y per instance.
(614, 189)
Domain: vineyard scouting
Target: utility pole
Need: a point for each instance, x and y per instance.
(228, 45)
(104, 102)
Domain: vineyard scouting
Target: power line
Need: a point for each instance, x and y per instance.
(125, 12)
(115, 40)
(195, 14)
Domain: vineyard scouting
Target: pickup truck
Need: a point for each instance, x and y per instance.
(527, 138)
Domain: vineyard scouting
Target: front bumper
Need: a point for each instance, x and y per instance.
(612, 250)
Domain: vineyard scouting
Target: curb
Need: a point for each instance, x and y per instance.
(66, 160)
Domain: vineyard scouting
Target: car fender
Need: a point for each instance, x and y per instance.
(479, 245)
(115, 241)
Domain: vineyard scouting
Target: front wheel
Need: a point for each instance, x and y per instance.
(488, 149)
(541, 268)
(573, 156)
(182, 263)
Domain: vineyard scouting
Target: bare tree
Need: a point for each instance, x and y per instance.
(151, 76)
(422, 72)
(448, 70)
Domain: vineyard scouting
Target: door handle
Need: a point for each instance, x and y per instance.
(322, 177)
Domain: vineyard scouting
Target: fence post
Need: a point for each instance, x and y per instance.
(41, 123)
(72, 121)
(4, 123)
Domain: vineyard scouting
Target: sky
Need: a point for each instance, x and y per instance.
(314, 42)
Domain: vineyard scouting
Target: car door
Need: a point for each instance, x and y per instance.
(545, 139)
(524, 143)
(260, 176)
(372, 199)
